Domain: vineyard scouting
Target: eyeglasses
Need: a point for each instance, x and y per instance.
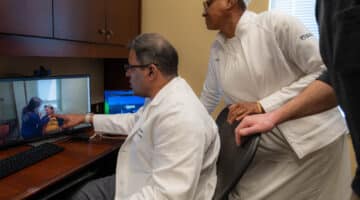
(128, 66)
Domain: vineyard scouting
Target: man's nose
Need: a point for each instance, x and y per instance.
(204, 13)
(127, 73)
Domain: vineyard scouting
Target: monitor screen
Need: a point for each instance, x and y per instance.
(27, 103)
(121, 101)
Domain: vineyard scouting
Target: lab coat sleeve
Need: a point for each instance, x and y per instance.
(179, 145)
(211, 93)
(115, 123)
(301, 49)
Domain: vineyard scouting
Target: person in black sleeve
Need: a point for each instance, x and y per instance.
(339, 25)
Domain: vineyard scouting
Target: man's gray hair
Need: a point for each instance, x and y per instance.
(152, 48)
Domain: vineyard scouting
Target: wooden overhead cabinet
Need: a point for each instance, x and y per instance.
(79, 20)
(122, 21)
(99, 21)
(26, 17)
(68, 28)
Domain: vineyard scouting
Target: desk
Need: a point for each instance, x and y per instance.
(59, 172)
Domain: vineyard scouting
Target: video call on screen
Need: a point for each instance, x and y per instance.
(27, 104)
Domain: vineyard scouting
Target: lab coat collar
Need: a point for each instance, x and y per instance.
(164, 91)
(246, 18)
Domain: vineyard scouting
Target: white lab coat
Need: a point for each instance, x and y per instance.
(271, 59)
(171, 148)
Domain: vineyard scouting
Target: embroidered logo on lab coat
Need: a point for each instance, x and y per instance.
(306, 36)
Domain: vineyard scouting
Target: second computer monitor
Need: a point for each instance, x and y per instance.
(121, 101)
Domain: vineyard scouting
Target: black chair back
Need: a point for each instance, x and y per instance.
(233, 160)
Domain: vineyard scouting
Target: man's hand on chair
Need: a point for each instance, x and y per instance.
(259, 123)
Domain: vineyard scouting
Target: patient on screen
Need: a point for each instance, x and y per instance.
(51, 123)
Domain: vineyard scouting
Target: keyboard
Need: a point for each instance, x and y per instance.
(28, 157)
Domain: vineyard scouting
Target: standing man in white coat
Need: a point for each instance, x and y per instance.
(259, 62)
(172, 144)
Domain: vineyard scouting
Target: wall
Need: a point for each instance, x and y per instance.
(182, 24)
(259, 5)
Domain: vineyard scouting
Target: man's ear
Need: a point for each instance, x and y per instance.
(153, 71)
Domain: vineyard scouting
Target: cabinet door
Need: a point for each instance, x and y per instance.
(26, 17)
(81, 20)
(122, 20)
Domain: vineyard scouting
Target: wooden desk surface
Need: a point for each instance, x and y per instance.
(37, 177)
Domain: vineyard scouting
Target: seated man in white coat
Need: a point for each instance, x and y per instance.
(172, 144)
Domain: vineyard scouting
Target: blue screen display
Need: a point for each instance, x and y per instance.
(121, 101)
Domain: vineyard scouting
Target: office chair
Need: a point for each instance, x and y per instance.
(233, 160)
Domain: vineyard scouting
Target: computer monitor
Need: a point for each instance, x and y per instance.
(121, 101)
(27, 102)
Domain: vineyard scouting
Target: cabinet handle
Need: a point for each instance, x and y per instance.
(102, 31)
(109, 34)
